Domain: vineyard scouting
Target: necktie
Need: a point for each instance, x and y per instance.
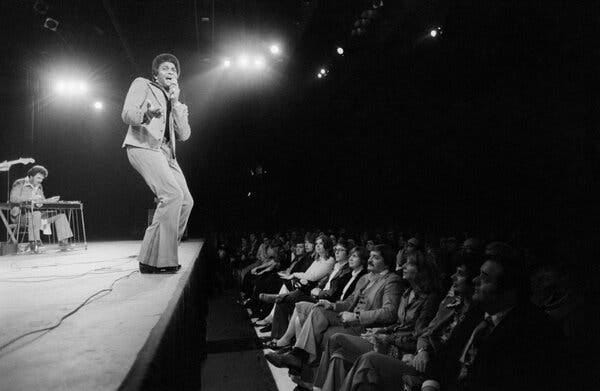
(479, 334)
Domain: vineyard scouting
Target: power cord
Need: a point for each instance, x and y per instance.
(85, 302)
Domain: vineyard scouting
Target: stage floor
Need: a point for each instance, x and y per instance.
(94, 348)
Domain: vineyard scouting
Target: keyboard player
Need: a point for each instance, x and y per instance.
(30, 189)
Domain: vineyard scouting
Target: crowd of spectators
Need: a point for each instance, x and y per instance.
(396, 311)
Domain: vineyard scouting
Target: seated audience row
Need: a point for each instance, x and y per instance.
(348, 317)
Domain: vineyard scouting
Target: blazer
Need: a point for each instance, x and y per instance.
(525, 351)
(413, 318)
(338, 283)
(149, 134)
(430, 338)
(382, 299)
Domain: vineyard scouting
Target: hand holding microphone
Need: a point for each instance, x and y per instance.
(174, 92)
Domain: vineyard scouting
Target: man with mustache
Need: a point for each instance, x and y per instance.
(373, 303)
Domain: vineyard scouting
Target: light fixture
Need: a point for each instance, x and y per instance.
(51, 24)
(340, 50)
(275, 49)
(98, 105)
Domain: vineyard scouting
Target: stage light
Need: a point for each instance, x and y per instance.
(98, 105)
(323, 71)
(71, 87)
(51, 24)
(227, 63)
(340, 50)
(319, 75)
(40, 7)
(435, 32)
(275, 49)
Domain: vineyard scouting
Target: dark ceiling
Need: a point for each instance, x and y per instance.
(491, 124)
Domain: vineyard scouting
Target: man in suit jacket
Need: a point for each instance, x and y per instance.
(373, 303)
(516, 347)
(156, 119)
(329, 288)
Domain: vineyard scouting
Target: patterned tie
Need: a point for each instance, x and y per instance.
(480, 333)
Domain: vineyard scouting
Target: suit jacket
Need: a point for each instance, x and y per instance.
(413, 318)
(523, 352)
(382, 299)
(301, 263)
(338, 283)
(149, 134)
(430, 339)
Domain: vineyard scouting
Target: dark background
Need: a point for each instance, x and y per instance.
(491, 126)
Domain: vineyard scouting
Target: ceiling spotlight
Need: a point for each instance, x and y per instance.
(435, 32)
(98, 105)
(319, 75)
(40, 7)
(322, 71)
(227, 63)
(275, 49)
(51, 24)
(71, 87)
(340, 50)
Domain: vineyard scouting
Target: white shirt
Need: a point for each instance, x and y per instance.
(354, 274)
(317, 270)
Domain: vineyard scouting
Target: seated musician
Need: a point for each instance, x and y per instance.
(30, 189)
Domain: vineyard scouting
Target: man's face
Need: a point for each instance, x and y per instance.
(299, 248)
(167, 74)
(309, 246)
(340, 253)
(37, 179)
(487, 291)
(376, 263)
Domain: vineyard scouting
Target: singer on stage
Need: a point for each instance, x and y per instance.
(156, 119)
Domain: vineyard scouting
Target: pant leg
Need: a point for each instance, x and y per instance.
(337, 358)
(188, 202)
(311, 335)
(281, 319)
(34, 225)
(303, 309)
(159, 247)
(377, 371)
(63, 229)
